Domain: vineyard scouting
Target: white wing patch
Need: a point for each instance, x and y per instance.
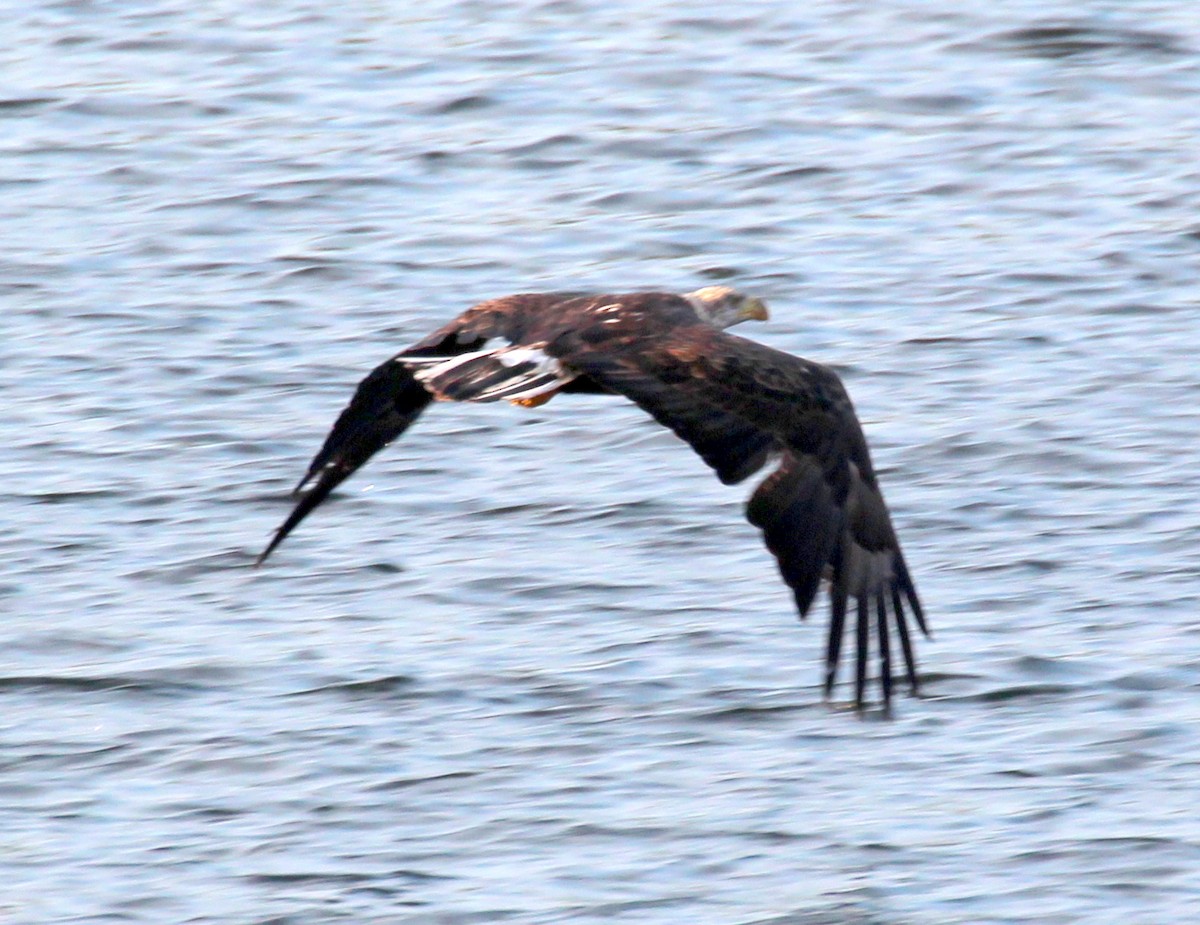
(495, 373)
(516, 356)
(417, 361)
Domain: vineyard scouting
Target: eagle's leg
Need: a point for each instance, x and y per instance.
(535, 400)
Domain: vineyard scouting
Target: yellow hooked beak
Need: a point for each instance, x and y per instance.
(754, 310)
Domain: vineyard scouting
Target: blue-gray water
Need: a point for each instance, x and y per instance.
(533, 666)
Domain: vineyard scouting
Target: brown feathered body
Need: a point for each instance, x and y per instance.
(738, 404)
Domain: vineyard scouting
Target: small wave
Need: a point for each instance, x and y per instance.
(146, 684)
(371, 688)
(1066, 40)
(462, 104)
(21, 103)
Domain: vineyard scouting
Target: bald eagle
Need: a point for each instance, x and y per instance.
(738, 404)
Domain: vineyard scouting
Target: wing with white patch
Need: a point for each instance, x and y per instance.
(822, 512)
(389, 400)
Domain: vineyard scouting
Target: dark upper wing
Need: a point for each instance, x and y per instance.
(821, 512)
(390, 399)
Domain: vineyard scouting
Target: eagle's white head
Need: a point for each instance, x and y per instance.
(723, 307)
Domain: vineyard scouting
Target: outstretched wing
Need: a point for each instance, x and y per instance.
(821, 512)
(392, 397)
(383, 407)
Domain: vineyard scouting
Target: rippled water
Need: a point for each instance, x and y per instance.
(533, 666)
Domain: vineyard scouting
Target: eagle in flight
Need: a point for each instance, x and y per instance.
(738, 403)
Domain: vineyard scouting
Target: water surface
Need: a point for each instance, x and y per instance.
(533, 666)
